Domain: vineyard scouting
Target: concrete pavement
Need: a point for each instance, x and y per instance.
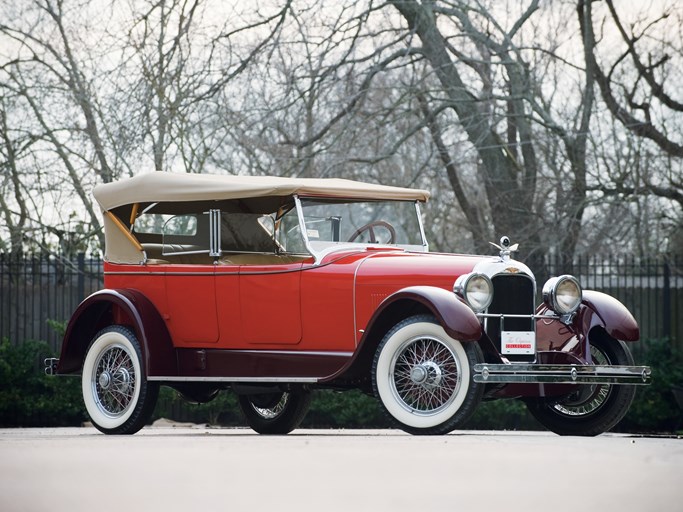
(211, 469)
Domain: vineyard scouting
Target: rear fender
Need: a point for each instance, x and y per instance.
(125, 307)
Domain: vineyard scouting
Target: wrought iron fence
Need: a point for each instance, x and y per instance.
(38, 289)
(651, 288)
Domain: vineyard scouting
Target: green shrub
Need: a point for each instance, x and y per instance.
(502, 415)
(329, 409)
(29, 398)
(654, 408)
(222, 410)
(350, 409)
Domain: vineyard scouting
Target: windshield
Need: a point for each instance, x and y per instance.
(332, 224)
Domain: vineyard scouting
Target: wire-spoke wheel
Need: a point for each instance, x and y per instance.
(275, 413)
(273, 406)
(117, 396)
(423, 377)
(592, 409)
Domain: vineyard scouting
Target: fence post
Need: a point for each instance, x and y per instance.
(666, 315)
(81, 276)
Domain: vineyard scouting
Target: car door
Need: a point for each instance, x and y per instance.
(190, 280)
(191, 297)
(269, 283)
(270, 303)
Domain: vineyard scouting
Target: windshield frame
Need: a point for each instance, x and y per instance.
(319, 254)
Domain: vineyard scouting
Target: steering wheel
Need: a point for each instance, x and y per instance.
(370, 228)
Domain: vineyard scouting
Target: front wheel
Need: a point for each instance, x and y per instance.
(116, 393)
(592, 409)
(423, 377)
(275, 413)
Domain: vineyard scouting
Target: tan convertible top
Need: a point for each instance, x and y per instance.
(174, 187)
(122, 200)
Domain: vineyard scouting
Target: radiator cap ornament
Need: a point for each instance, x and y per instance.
(505, 248)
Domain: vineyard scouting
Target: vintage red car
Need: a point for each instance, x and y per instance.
(273, 287)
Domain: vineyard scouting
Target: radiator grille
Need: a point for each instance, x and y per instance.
(512, 295)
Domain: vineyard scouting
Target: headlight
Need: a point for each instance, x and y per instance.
(475, 289)
(562, 294)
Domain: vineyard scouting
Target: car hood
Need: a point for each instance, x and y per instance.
(398, 269)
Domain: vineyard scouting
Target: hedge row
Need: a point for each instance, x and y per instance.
(28, 398)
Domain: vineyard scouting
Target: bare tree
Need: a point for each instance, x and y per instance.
(92, 99)
(184, 61)
(13, 204)
(502, 110)
(490, 105)
(637, 85)
(52, 85)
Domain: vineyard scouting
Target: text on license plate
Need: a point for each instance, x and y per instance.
(518, 342)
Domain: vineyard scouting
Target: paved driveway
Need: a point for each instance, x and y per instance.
(204, 469)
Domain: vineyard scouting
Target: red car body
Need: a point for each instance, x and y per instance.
(335, 313)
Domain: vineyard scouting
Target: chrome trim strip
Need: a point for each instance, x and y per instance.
(309, 380)
(294, 352)
(164, 274)
(215, 233)
(148, 208)
(183, 253)
(215, 273)
(355, 288)
(268, 272)
(425, 244)
(304, 233)
(234, 273)
(561, 374)
(506, 315)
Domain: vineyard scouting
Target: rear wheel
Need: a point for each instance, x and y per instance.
(423, 377)
(116, 393)
(275, 413)
(592, 409)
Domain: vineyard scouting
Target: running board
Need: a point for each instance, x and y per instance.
(561, 374)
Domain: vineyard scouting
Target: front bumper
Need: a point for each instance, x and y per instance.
(561, 374)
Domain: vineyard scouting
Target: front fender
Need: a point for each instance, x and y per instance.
(124, 306)
(600, 309)
(457, 319)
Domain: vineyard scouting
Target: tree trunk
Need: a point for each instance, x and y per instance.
(510, 199)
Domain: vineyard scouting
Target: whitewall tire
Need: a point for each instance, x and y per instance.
(117, 396)
(423, 377)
